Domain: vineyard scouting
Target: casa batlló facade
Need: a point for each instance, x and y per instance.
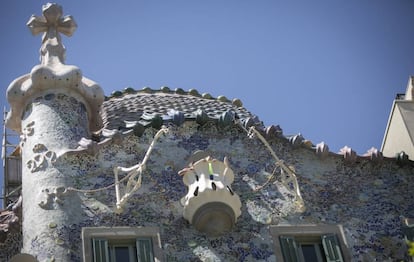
(175, 175)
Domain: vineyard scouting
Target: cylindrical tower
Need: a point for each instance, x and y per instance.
(53, 108)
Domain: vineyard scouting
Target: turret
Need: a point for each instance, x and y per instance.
(53, 108)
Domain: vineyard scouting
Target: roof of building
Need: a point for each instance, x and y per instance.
(136, 110)
(148, 107)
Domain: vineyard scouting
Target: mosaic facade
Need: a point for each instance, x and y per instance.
(368, 198)
(71, 145)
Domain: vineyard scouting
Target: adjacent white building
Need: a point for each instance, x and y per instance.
(399, 134)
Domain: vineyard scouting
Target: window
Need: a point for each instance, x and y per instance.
(310, 243)
(126, 244)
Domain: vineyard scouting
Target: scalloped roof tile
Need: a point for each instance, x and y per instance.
(131, 109)
(123, 108)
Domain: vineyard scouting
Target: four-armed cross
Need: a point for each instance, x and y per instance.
(52, 23)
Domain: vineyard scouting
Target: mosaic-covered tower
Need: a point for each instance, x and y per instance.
(53, 108)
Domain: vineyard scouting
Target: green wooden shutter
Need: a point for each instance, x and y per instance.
(332, 248)
(290, 249)
(408, 232)
(145, 252)
(100, 250)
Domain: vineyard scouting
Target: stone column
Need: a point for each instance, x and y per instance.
(53, 108)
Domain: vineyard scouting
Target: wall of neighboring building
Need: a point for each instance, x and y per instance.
(366, 197)
(399, 134)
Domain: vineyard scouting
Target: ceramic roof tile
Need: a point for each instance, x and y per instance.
(171, 106)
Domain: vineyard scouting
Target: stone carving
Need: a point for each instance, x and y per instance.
(27, 131)
(226, 119)
(296, 140)
(89, 145)
(39, 148)
(322, 149)
(237, 102)
(54, 198)
(201, 116)
(273, 131)
(210, 204)
(51, 24)
(177, 117)
(85, 145)
(250, 121)
(374, 154)
(402, 157)
(52, 72)
(42, 158)
(350, 155)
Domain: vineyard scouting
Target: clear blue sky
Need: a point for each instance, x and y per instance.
(327, 69)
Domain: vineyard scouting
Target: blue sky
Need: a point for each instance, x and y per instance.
(326, 69)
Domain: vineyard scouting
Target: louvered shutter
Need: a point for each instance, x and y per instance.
(332, 248)
(290, 249)
(100, 250)
(145, 251)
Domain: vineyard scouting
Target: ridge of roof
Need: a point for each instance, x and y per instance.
(165, 89)
(133, 110)
(149, 107)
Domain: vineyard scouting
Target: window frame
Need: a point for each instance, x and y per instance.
(303, 233)
(122, 234)
(114, 244)
(316, 245)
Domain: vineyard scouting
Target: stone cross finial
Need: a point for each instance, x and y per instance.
(51, 24)
(53, 74)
